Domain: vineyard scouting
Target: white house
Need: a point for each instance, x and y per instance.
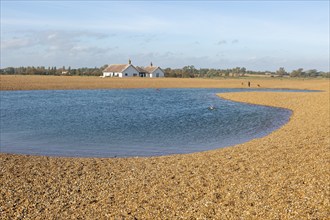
(154, 71)
(128, 70)
(120, 70)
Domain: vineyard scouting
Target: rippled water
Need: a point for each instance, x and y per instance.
(132, 122)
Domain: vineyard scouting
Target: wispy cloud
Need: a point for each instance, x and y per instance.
(132, 23)
(67, 47)
(51, 40)
(221, 42)
(16, 43)
(143, 39)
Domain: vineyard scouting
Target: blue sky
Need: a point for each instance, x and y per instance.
(258, 35)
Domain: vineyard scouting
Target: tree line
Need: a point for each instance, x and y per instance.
(41, 70)
(185, 72)
(192, 72)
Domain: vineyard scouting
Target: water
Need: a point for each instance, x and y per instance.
(133, 122)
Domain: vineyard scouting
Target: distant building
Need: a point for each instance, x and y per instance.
(142, 72)
(154, 71)
(128, 70)
(120, 70)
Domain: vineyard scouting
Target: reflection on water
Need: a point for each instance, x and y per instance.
(134, 122)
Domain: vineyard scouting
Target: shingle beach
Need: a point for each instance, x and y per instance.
(285, 175)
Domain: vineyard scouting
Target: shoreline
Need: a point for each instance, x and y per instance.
(282, 175)
(37, 82)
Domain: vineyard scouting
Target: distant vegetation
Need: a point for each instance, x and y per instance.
(191, 72)
(185, 72)
(41, 70)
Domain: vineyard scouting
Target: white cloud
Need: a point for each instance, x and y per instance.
(51, 36)
(133, 23)
(52, 40)
(16, 43)
(42, 48)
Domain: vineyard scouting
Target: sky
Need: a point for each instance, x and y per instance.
(257, 35)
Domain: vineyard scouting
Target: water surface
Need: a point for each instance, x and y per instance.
(131, 122)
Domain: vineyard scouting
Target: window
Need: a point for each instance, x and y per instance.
(126, 74)
(134, 74)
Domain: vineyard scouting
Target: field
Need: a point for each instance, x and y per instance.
(284, 175)
(21, 82)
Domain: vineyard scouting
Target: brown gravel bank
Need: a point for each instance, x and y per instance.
(285, 175)
(21, 82)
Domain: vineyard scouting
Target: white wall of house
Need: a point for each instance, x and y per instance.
(129, 72)
(106, 74)
(157, 73)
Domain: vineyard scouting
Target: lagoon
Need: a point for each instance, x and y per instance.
(129, 122)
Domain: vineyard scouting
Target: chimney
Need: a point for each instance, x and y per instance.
(151, 64)
(129, 61)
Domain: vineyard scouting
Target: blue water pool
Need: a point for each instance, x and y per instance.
(131, 122)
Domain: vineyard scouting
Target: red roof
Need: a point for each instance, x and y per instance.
(150, 69)
(140, 69)
(117, 68)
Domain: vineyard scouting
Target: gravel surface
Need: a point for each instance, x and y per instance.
(285, 175)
